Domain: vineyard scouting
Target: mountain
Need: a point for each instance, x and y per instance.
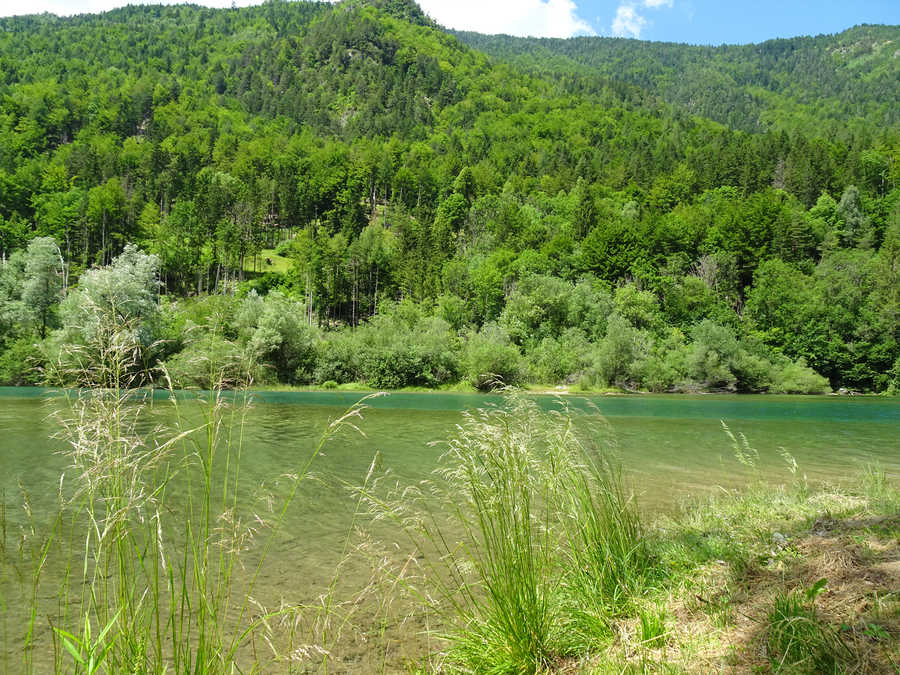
(839, 80)
(389, 159)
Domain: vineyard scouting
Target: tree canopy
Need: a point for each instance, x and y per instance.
(703, 216)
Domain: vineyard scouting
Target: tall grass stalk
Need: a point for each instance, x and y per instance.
(878, 489)
(157, 549)
(605, 556)
(519, 526)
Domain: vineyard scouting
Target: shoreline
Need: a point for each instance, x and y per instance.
(531, 389)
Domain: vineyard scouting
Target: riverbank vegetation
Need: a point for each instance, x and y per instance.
(559, 570)
(550, 331)
(399, 209)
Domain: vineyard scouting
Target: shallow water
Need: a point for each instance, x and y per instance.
(671, 447)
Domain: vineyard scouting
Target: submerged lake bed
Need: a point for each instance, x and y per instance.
(671, 445)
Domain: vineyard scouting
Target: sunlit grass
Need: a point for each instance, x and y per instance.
(530, 540)
(267, 260)
(154, 558)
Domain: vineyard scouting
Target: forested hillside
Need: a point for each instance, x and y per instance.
(348, 193)
(839, 81)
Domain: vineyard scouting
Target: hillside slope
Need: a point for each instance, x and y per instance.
(844, 79)
(392, 162)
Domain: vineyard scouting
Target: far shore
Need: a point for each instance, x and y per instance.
(462, 388)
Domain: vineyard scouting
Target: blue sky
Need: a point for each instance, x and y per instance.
(693, 21)
(734, 21)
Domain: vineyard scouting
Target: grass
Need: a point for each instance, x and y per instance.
(798, 640)
(879, 491)
(529, 539)
(153, 561)
(741, 577)
(536, 559)
(653, 630)
(267, 261)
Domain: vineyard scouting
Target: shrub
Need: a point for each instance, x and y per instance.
(752, 372)
(893, 388)
(402, 348)
(711, 356)
(590, 304)
(337, 359)
(639, 308)
(220, 313)
(124, 293)
(490, 360)
(555, 360)
(284, 248)
(454, 310)
(277, 336)
(209, 361)
(537, 308)
(662, 367)
(21, 364)
(795, 377)
(615, 354)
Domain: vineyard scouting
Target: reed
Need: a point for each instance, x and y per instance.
(146, 577)
(517, 533)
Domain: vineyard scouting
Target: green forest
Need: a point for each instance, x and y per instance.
(304, 193)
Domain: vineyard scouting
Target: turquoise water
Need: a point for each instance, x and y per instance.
(671, 445)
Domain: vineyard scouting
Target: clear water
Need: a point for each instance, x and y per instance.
(671, 447)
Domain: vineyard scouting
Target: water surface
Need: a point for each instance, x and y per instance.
(670, 445)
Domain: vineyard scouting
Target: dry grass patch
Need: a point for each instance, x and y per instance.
(822, 597)
(858, 608)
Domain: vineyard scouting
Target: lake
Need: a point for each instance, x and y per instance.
(672, 447)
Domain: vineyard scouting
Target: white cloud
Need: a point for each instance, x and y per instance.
(537, 18)
(629, 22)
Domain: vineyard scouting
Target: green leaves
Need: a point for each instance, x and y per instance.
(799, 640)
(89, 653)
(404, 164)
(816, 589)
(44, 276)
